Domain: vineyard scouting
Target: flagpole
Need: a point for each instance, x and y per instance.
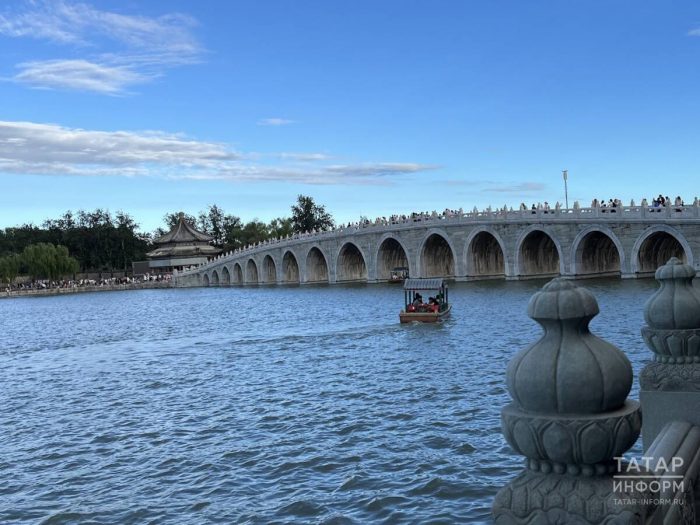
(565, 173)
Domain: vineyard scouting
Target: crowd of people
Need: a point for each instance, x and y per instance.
(45, 284)
(609, 205)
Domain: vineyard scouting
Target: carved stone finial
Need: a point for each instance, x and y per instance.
(672, 315)
(670, 384)
(569, 370)
(570, 418)
(676, 304)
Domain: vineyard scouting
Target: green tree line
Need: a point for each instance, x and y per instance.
(103, 241)
(98, 240)
(41, 261)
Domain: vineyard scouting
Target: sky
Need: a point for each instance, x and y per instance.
(372, 108)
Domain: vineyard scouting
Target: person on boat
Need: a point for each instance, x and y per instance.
(417, 301)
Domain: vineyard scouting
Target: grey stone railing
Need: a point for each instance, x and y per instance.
(571, 418)
(675, 459)
(490, 215)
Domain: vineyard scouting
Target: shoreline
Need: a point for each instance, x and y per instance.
(47, 292)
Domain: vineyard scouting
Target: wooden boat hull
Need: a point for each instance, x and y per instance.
(395, 281)
(424, 317)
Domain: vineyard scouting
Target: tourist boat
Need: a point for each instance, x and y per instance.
(398, 275)
(424, 313)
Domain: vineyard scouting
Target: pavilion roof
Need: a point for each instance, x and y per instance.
(183, 250)
(182, 232)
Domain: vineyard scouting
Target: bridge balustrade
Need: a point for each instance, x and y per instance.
(557, 214)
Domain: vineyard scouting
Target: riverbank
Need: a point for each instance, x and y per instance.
(82, 289)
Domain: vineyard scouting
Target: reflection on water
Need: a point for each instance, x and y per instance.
(288, 404)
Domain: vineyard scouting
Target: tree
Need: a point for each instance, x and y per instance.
(251, 233)
(9, 268)
(281, 227)
(48, 261)
(308, 216)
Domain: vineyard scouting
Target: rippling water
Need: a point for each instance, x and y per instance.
(259, 405)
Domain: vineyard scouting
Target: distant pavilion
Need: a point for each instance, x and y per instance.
(181, 247)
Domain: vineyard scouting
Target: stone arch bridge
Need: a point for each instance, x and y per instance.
(628, 241)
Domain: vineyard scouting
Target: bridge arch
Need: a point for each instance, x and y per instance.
(269, 270)
(350, 263)
(538, 253)
(215, 278)
(485, 254)
(437, 255)
(596, 250)
(251, 272)
(225, 276)
(391, 253)
(199, 278)
(290, 267)
(656, 246)
(237, 274)
(205, 279)
(316, 270)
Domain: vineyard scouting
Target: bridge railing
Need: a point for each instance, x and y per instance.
(489, 215)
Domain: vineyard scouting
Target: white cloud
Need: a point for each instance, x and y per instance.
(274, 122)
(694, 32)
(46, 145)
(145, 46)
(28, 148)
(67, 22)
(79, 75)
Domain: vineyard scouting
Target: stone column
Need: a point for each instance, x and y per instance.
(670, 384)
(570, 417)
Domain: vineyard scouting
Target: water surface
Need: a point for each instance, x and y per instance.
(267, 405)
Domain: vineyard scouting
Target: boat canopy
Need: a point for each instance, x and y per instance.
(400, 269)
(422, 284)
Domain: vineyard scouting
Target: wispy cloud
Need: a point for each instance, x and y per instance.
(79, 75)
(466, 182)
(274, 122)
(305, 157)
(146, 46)
(522, 188)
(694, 32)
(362, 174)
(28, 148)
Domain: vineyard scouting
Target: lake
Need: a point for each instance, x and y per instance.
(272, 404)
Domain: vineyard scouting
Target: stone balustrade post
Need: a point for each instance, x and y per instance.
(670, 384)
(570, 418)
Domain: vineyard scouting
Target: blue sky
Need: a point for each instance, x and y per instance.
(372, 108)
